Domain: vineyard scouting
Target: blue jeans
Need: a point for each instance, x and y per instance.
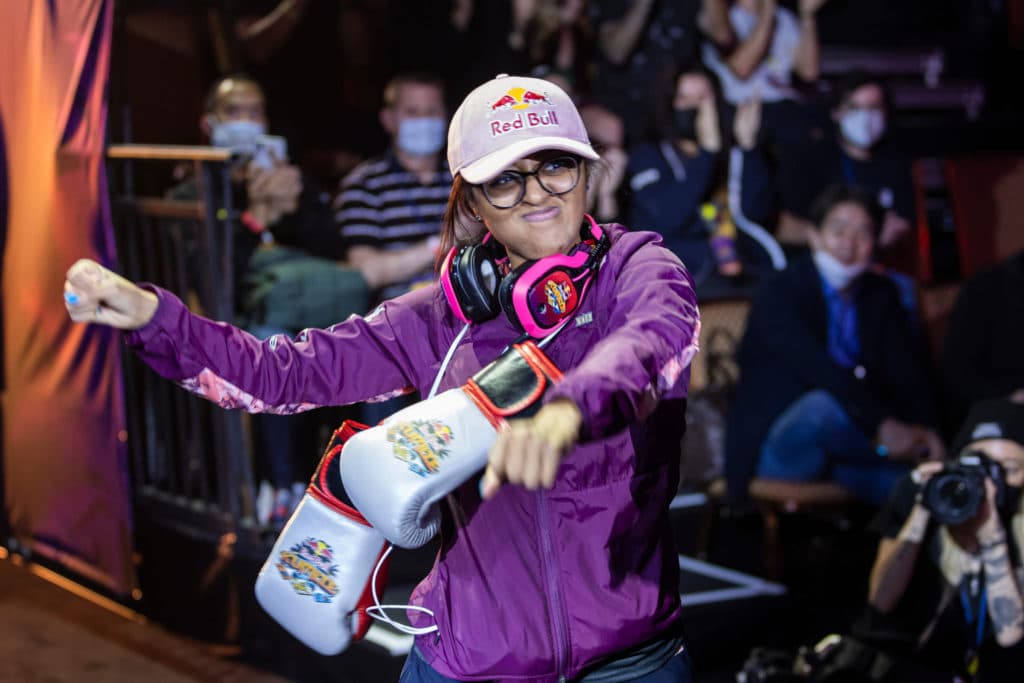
(815, 440)
(676, 670)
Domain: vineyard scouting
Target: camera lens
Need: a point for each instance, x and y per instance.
(953, 495)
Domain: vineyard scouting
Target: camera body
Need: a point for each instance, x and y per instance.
(954, 494)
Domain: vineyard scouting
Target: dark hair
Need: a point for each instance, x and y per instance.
(841, 193)
(662, 117)
(390, 94)
(456, 216)
(213, 93)
(855, 80)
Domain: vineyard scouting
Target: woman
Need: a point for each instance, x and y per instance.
(680, 183)
(949, 595)
(565, 568)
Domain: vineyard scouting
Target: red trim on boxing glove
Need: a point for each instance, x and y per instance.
(508, 387)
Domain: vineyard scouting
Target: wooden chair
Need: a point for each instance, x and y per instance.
(774, 500)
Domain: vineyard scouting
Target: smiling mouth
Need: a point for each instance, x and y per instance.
(541, 215)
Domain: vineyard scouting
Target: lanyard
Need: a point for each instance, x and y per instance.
(965, 600)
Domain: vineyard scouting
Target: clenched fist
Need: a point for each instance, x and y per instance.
(94, 294)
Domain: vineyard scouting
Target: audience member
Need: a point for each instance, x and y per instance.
(390, 207)
(640, 42)
(854, 153)
(285, 243)
(831, 376)
(606, 131)
(946, 593)
(677, 183)
(981, 355)
(771, 44)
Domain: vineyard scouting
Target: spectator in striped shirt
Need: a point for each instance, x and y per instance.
(390, 207)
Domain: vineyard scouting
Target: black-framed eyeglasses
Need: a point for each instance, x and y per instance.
(556, 176)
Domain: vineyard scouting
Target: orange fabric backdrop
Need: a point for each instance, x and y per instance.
(65, 474)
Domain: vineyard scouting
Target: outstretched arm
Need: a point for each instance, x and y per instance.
(359, 359)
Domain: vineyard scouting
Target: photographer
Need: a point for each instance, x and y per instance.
(946, 584)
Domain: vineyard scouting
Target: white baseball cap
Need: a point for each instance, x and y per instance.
(511, 117)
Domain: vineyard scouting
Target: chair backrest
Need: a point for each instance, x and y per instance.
(722, 324)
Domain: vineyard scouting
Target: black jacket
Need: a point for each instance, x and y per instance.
(983, 353)
(784, 354)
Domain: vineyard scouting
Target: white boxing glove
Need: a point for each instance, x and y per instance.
(397, 471)
(316, 581)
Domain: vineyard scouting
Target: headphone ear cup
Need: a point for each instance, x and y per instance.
(474, 279)
(506, 291)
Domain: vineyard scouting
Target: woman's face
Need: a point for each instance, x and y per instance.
(847, 233)
(541, 224)
(691, 91)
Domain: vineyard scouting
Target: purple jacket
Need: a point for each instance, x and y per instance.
(530, 586)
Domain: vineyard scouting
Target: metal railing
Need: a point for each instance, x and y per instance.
(190, 465)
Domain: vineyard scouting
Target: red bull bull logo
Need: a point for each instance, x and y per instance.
(519, 98)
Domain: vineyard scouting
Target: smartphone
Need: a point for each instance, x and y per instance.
(269, 148)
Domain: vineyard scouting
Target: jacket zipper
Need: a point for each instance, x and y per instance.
(554, 595)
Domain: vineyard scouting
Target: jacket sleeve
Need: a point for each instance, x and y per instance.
(651, 335)
(362, 358)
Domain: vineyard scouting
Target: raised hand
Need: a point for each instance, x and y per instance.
(530, 450)
(94, 294)
(809, 8)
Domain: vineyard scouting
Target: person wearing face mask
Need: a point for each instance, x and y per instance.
(832, 383)
(288, 268)
(389, 208)
(671, 179)
(278, 205)
(856, 154)
(948, 596)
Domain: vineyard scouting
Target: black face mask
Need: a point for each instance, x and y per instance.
(686, 123)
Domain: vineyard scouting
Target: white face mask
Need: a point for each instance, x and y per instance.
(421, 136)
(862, 127)
(836, 273)
(238, 136)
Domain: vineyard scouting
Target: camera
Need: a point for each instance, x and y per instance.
(954, 494)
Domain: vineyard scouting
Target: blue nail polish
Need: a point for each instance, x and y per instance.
(71, 298)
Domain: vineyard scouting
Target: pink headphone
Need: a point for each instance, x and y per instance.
(536, 296)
